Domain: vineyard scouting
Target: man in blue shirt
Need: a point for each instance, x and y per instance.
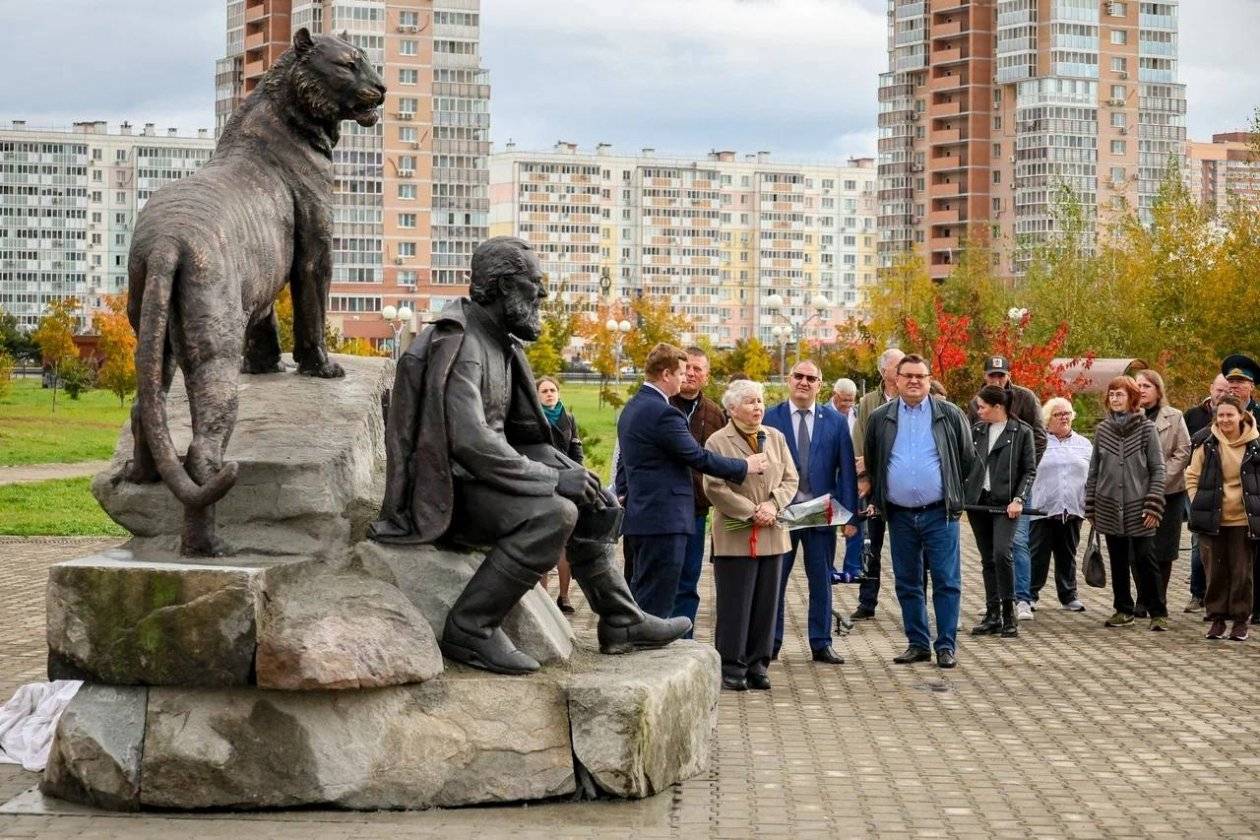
(918, 451)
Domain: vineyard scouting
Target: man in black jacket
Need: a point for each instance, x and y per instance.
(918, 450)
(1199, 417)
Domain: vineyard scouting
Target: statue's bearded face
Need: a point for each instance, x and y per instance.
(523, 294)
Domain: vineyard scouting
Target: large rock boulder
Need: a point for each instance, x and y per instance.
(465, 739)
(121, 618)
(311, 454)
(645, 721)
(342, 630)
(632, 725)
(96, 751)
(433, 577)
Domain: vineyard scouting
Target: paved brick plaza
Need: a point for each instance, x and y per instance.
(1070, 731)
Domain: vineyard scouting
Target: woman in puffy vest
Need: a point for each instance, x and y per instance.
(1223, 481)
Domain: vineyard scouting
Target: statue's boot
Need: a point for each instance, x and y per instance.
(623, 626)
(472, 634)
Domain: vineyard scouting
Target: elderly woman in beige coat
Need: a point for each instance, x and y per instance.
(747, 561)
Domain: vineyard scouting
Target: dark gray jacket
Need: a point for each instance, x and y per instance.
(1011, 463)
(1126, 476)
(953, 446)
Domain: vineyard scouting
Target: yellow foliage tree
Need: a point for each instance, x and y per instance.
(117, 372)
(55, 336)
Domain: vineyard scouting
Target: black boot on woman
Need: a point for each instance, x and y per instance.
(1009, 628)
(990, 624)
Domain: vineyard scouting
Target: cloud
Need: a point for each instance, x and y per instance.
(797, 77)
(150, 61)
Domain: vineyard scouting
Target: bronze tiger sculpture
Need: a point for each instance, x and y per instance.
(211, 252)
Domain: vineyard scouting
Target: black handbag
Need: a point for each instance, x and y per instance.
(1095, 568)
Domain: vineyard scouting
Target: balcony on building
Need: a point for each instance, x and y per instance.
(945, 217)
(951, 81)
(945, 137)
(256, 39)
(947, 163)
(255, 10)
(950, 29)
(946, 189)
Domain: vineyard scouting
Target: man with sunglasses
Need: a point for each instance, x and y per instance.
(822, 449)
(918, 450)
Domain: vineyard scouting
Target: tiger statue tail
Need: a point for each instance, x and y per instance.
(162, 264)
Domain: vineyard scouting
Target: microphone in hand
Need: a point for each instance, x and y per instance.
(761, 440)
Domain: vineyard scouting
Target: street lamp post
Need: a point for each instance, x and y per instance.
(794, 326)
(618, 330)
(398, 318)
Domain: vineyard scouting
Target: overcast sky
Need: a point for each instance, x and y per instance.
(795, 77)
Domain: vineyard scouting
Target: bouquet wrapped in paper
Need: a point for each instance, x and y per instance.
(823, 511)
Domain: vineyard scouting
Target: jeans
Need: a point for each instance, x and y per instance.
(926, 534)
(853, 552)
(994, 535)
(819, 550)
(1022, 560)
(687, 600)
(868, 592)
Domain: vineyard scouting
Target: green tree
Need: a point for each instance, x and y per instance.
(13, 340)
(55, 337)
(749, 357)
(6, 374)
(544, 357)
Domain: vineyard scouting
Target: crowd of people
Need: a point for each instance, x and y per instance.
(696, 477)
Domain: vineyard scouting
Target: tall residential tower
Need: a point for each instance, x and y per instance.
(411, 197)
(992, 111)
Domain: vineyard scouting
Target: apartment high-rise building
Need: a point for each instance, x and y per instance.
(992, 111)
(68, 202)
(715, 235)
(1228, 168)
(410, 193)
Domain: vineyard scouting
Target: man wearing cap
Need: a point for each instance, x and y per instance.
(1025, 406)
(1242, 372)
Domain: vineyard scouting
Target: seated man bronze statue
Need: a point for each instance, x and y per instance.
(471, 461)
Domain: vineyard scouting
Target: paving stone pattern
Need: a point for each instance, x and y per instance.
(1071, 731)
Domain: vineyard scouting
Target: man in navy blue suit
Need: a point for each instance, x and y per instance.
(822, 448)
(657, 453)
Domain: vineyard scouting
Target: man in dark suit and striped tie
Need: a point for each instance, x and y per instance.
(822, 448)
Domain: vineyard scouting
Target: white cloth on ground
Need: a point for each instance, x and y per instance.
(28, 720)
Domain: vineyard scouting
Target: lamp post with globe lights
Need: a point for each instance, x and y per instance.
(794, 325)
(398, 318)
(619, 329)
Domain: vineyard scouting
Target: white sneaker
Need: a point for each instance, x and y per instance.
(1074, 605)
(1023, 611)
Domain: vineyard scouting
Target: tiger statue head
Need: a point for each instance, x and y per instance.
(330, 78)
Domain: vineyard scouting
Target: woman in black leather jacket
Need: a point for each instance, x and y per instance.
(1001, 479)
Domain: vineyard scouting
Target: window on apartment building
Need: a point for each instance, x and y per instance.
(406, 249)
(120, 197)
(407, 104)
(408, 75)
(96, 196)
(406, 277)
(406, 220)
(408, 18)
(96, 218)
(1119, 64)
(407, 192)
(407, 47)
(625, 215)
(407, 134)
(1117, 9)
(96, 174)
(407, 163)
(1119, 147)
(120, 218)
(1117, 174)
(997, 123)
(744, 181)
(850, 185)
(1119, 119)
(997, 205)
(96, 239)
(1119, 36)
(997, 150)
(120, 155)
(920, 184)
(1119, 92)
(118, 261)
(829, 184)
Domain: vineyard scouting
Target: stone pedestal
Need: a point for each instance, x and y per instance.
(304, 669)
(634, 724)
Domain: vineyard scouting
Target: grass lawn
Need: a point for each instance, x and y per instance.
(599, 425)
(85, 429)
(61, 508)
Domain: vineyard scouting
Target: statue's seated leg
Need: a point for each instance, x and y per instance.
(623, 626)
(528, 534)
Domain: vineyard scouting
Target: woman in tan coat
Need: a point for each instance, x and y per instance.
(747, 561)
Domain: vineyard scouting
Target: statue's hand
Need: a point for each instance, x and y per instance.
(578, 485)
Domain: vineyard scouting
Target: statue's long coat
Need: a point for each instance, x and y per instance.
(419, 478)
